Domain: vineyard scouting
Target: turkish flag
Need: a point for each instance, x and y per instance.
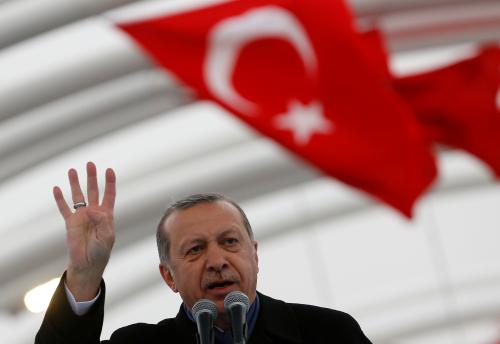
(295, 70)
(460, 105)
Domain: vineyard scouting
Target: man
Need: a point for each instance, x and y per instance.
(206, 249)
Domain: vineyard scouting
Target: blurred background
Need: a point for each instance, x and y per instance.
(74, 89)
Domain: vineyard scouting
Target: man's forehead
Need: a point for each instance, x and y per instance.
(203, 213)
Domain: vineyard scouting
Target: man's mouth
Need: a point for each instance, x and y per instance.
(220, 285)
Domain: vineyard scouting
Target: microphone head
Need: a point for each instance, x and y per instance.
(204, 306)
(235, 297)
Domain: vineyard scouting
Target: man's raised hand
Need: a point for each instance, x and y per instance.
(90, 232)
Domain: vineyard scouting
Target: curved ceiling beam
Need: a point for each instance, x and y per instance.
(67, 60)
(38, 135)
(470, 22)
(22, 19)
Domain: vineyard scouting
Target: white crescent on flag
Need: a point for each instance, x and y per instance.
(229, 36)
(297, 72)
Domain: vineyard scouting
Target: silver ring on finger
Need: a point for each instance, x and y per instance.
(79, 204)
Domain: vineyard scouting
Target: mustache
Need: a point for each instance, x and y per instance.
(218, 277)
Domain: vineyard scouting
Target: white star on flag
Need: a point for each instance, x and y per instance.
(304, 121)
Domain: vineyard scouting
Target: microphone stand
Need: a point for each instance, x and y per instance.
(204, 312)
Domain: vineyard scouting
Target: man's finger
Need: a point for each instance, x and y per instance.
(108, 200)
(76, 190)
(92, 188)
(63, 207)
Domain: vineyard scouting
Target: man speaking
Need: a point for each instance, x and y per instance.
(207, 254)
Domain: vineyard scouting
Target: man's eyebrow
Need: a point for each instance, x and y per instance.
(229, 231)
(189, 242)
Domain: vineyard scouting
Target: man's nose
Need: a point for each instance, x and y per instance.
(216, 259)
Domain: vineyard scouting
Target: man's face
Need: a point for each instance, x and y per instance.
(211, 254)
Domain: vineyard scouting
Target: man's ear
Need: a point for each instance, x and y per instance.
(167, 276)
(255, 245)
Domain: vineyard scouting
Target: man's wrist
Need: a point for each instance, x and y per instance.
(82, 307)
(84, 286)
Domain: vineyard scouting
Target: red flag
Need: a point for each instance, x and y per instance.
(373, 45)
(459, 105)
(272, 63)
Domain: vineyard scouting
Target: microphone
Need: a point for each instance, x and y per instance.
(205, 312)
(236, 305)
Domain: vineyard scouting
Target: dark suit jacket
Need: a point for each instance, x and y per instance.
(277, 322)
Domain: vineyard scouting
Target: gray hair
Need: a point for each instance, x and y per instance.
(162, 240)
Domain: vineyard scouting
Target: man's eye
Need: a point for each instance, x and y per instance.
(194, 250)
(231, 241)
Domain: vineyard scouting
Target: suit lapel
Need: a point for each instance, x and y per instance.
(185, 329)
(276, 323)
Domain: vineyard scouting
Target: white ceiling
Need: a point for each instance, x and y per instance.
(74, 89)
